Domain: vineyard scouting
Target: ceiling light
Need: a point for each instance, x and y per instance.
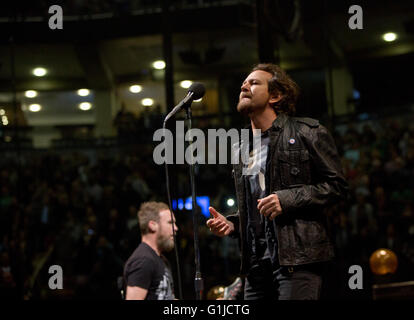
(85, 106)
(2, 112)
(198, 100)
(147, 102)
(390, 36)
(35, 107)
(230, 202)
(186, 84)
(39, 72)
(159, 64)
(30, 93)
(135, 88)
(83, 92)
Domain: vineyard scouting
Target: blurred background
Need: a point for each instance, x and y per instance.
(79, 107)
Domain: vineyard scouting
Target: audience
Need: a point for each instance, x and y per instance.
(80, 212)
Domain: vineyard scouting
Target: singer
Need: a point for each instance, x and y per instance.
(280, 223)
(147, 274)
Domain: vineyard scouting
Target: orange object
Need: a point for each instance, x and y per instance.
(383, 261)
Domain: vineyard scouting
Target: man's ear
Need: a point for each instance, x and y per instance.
(275, 98)
(153, 226)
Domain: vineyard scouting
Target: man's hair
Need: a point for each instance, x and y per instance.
(150, 211)
(281, 84)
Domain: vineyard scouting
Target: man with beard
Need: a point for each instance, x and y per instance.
(280, 222)
(147, 274)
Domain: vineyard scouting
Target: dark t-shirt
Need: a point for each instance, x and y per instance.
(147, 270)
(256, 189)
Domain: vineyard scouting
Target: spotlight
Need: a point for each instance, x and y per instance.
(389, 37)
(35, 107)
(135, 88)
(147, 102)
(186, 84)
(85, 106)
(230, 202)
(159, 65)
(39, 72)
(83, 92)
(30, 93)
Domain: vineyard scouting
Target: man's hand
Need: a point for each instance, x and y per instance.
(269, 206)
(219, 225)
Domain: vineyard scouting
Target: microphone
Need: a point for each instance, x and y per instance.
(195, 92)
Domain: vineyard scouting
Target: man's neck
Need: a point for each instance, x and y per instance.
(151, 241)
(263, 120)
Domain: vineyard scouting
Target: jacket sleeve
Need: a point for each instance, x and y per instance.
(330, 185)
(235, 219)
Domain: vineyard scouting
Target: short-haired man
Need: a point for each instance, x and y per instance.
(147, 274)
(280, 222)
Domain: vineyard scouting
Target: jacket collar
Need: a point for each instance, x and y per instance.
(280, 121)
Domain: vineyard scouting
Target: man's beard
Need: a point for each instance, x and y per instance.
(165, 244)
(245, 107)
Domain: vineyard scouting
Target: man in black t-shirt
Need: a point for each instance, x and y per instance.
(147, 274)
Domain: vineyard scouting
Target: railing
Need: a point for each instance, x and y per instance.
(35, 11)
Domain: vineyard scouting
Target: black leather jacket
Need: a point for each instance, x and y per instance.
(303, 168)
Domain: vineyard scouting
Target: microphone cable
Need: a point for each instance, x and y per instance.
(167, 179)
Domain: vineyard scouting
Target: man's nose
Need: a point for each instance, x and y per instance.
(244, 87)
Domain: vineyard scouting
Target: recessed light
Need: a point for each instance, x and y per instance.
(159, 64)
(135, 88)
(230, 202)
(2, 112)
(35, 107)
(147, 102)
(389, 36)
(39, 72)
(83, 92)
(85, 106)
(186, 84)
(30, 93)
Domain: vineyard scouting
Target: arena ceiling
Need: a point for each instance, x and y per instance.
(102, 49)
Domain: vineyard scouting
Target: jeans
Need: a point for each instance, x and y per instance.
(283, 283)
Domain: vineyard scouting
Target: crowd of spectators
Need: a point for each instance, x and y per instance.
(79, 211)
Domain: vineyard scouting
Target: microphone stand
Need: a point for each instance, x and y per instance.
(198, 281)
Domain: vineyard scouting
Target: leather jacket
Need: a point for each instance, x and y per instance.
(304, 170)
